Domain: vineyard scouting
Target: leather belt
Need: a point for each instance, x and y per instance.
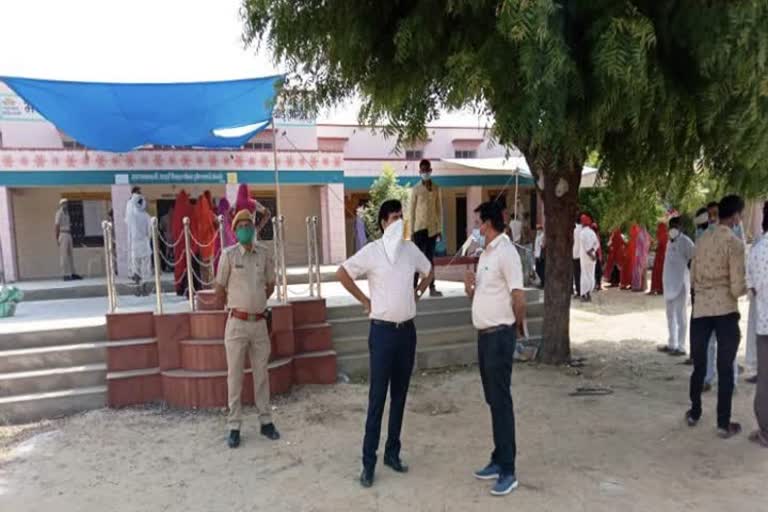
(393, 325)
(495, 328)
(244, 315)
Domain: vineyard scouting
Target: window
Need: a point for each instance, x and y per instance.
(258, 146)
(465, 153)
(72, 144)
(414, 154)
(85, 218)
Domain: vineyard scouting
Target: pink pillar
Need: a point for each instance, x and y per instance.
(231, 193)
(332, 222)
(8, 236)
(474, 199)
(120, 196)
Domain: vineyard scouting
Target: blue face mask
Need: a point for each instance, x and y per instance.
(737, 230)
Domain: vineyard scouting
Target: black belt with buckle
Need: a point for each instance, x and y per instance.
(392, 325)
(495, 328)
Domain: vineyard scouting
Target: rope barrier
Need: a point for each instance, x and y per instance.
(201, 244)
(167, 243)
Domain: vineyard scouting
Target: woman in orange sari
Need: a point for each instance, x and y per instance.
(662, 237)
(629, 258)
(615, 257)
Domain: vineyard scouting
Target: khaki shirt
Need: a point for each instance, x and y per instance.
(426, 209)
(245, 274)
(718, 276)
(62, 220)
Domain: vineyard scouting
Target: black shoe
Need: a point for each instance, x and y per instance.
(67, 278)
(234, 439)
(396, 464)
(76, 277)
(270, 432)
(691, 419)
(434, 293)
(366, 477)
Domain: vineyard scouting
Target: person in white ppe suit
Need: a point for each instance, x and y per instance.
(139, 233)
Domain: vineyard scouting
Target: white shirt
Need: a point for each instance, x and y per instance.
(390, 284)
(676, 275)
(516, 228)
(499, 271)
(588, 242)
(538, 244)
(757, 278)
(576, 243)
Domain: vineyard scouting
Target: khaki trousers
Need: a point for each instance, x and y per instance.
(66, 261)
(242, 337)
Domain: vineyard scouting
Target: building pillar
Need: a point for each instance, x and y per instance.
(231, 193)
(121, 194)
(7, 236)
(332, 224)
(474, 199)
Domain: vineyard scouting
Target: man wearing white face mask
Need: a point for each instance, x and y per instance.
(425, 216)
(676, 283)
(389, 264)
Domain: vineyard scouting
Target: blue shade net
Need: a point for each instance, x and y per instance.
(121, 117)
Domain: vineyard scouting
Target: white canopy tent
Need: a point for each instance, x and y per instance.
(515, 166)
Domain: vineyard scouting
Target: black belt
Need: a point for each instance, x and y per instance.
(495, 328)
(393, 325)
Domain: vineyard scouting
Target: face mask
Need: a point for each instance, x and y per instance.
(674, 233)
(393, 239)
(426, 176)
(245, 234)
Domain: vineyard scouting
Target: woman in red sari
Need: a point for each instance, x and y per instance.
(615, 257)
(204, 230)
(181, 208)
(662, 238)
(629, 258)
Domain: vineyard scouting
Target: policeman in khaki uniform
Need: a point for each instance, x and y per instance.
(64, 240)
(246, 277)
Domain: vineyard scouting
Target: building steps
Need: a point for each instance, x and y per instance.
(51, 404)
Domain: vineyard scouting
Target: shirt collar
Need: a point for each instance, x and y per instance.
(243, 250)
(497, 241)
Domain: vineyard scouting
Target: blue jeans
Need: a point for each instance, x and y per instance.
(392, 354)
(495, 353)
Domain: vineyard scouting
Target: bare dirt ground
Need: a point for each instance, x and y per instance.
(624, 452)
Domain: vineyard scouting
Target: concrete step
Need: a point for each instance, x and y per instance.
(40, 381)
(61, 356)
(47, 338)
(351, 345)
(51, 404)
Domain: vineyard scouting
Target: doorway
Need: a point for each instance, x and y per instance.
(461, 222)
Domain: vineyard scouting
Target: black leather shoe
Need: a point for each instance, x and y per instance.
(396, 464)
(234, 439)
(270, 432)
(366, 477)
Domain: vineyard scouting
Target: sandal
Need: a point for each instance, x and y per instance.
(758, 437)
(732, 430)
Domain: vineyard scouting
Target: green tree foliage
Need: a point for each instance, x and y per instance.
(384, 188)
(655, 87)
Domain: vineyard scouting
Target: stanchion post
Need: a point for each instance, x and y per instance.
(107, 265)
(310, 258)
(220, 218)
(316, 250)
(276, 245)
(282, 259)
(158, 270)
(188, 255)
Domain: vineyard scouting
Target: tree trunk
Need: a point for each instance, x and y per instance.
(560, 211)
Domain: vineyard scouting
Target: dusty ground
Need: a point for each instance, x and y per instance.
(627, 451)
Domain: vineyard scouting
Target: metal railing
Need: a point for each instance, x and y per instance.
(313, 258)
(158, 269)
(281, 276)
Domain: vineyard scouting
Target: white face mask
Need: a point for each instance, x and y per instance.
(674, 233)
(393, 240)
(426, 176)
(478, 238)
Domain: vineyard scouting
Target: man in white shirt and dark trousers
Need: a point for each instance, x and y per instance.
(498, 313)
(389, 264)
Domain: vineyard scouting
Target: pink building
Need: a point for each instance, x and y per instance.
(324, 170)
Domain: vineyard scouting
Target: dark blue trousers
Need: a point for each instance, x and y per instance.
(495, 353)
(392, 354)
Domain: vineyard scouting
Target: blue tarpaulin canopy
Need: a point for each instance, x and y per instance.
(121, 117)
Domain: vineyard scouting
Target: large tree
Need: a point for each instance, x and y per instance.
(656, 87)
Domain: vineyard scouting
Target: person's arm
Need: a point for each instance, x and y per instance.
(56, 232)
(425, 269)
(265, 216)
(470, 282)
(751, 275)
(512, 272)
(439, 212)
(357, 265)
(736, 269)
(222, 278)
(519, 307)
(269, 276)
(349, 284)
